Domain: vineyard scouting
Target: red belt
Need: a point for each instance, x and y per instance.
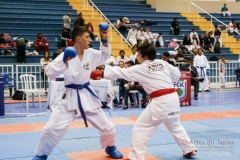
(162, 92)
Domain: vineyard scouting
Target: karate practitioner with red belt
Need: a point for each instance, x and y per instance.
(156, 77)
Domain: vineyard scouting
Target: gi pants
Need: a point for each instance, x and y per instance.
(146, 125)
(60, 120)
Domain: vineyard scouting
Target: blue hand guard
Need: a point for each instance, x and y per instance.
(69, 52)
(103, 27)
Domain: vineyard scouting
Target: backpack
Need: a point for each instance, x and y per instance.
(18, 95)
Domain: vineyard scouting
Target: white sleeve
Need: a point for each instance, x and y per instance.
(121, 73)
(174, 73)
(129, 33)
(56, 67)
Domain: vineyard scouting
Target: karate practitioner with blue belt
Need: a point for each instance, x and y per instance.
(78, 98)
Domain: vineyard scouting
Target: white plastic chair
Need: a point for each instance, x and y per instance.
(137, 100)
(29, 86)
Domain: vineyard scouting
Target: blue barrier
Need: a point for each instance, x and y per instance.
(2, 109)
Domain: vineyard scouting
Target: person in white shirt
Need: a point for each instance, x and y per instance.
(111, 61)
(140, 35)
(67, 21)
(222, 66)
(134, 54)
(44, 62)
(157, 78)
(159, 40)
(195, 42)
(132, 35)
(122, 57)
(194, 33)
(148, 35)
(233, 27)
(201, 63)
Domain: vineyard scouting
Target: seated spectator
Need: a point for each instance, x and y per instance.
(79, 21)
(194, 75)
(132, 35)
(195, 42)
(209, 42)
(121, 26)
(233, 27)
(90, 29)
(134, 54)
(41, 43)
(133, 86)
(121, 83)
(187, 43)
(59, 51)
(159, 41)
(166, 57)
(175, 27)
(148, 36)
(194, 33)
(3, 42)
(225, 11)
(122, 57)
(67, 22)
(111, 61)
(65, 38)
(179, 57)
(140, 36)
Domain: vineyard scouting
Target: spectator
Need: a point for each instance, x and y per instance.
(179, 57)
(225, 11)
(134, 54)
(122, 56)
(3, 42)
(187, 43)
(233, 27)
(166, 57)
(67, 22)
(79, 21)
(41, 43)
(21, 47)
(65, 38)
(90, 29)
(121, 26)
(59, 51)
(148, 36)
(159, 41)
(140, 36)
(195, 42)
(133, 86)
(194, 75)
(175, 27)
(132, 35)
(111, 61)
(201, 63)
(121, 83)
(217, 36)
(209, 42)
(194, 33)
(44, 62)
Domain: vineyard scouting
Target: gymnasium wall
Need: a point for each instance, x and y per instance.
(211, 6)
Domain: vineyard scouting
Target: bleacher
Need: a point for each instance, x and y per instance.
(26, 18)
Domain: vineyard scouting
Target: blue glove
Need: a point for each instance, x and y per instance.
(207, 72)
(69, 52)
(103, 27)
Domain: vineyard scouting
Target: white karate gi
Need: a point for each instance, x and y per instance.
(222, 67)
(140, 36)
(77, 72)
(132, 36)
(202, 62)
(149, 37)
(154, 75)
(133, 57)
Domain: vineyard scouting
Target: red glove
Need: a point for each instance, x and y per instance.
(96, 75)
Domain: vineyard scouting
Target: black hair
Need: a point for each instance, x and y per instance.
(167, 54)
(147, 49)
(188, 58)
(78, 31)
(130, 62)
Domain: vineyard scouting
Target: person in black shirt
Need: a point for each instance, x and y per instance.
(175, 26)
(79, 21)
(166, 57)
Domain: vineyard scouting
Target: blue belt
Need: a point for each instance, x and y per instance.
(79, 87)
(202, 70)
